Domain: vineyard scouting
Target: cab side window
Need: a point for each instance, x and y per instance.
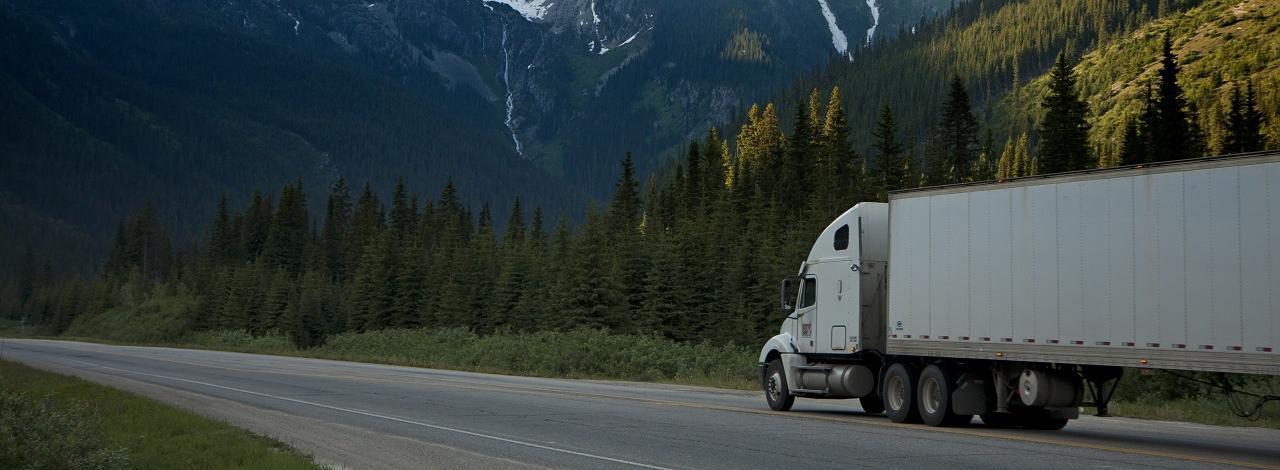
(810, 294)
(842, 238)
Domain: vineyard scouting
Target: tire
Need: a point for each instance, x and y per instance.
(872, 405)
(775, 387)
(934, 398)
(899, 394)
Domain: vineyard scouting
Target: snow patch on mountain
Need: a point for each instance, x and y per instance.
(874, 5)
(604, 49)
(838, 39)
(531, 10)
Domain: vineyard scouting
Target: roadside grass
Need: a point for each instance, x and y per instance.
(127, 430)
(1202, 410)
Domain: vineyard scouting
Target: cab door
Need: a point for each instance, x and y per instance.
(806, 315)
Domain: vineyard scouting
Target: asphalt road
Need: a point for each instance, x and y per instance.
(353, 415)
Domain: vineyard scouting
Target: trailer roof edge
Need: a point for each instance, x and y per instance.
(1241, 159)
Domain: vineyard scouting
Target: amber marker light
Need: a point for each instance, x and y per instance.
(1143, 362)
(999, 354)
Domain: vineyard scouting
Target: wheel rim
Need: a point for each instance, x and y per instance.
(930, 395)
(895, 391)
(774, 387)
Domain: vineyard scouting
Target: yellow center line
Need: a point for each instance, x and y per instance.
(867, 420)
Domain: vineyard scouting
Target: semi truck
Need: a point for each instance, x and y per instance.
(1008, 300)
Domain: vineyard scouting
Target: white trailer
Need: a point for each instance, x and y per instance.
(1007, 299)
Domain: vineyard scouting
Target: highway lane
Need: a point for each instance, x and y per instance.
(354, 415)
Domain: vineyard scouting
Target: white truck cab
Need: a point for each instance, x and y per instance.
(835, 310)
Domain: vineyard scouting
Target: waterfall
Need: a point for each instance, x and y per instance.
(511, 103)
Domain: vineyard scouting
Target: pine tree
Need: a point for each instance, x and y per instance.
(257, 224)
(481, 264)
(663, 290)
(1064, 132)
(797, 166)
(1023, 164)
(890, 155)
(305, 325)
(815, 109)
(336, 230)
(366, 227)
(1244, 122)
(591, 297)
(836, 178)
(223, 239)
(624, 208)
(287, 238)
(279, 301)
(692, 188)
(403, 217)
(714, 167)
(1170, 132)
(408, 308)
(536, 234)
(957, 133)
(515, 226)
(1004, 167)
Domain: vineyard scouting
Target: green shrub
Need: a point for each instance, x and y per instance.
(157, 319)
(37, 434)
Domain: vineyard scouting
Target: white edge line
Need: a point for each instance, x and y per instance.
(389, 418)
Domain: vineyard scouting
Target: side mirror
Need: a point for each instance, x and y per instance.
(784, 294)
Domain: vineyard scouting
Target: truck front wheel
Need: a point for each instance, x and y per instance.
(899, 394)
(775, 387)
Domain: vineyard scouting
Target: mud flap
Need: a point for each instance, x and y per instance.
(970, 398)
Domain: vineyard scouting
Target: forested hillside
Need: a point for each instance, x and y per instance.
(994, 46)
(1223, 46)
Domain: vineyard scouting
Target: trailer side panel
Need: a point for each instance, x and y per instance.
(1171, 266)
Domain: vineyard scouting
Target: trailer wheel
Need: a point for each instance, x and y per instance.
(936, 386)
(872, 405)
(899, 394)
(775, 387)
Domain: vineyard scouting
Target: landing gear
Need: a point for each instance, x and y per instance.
(1102, 385)
(775, 387)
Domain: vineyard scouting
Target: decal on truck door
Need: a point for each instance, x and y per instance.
(806, 330)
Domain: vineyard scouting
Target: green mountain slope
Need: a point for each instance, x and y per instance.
(1219, 43)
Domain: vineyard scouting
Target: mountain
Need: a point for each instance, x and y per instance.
(113, 103)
